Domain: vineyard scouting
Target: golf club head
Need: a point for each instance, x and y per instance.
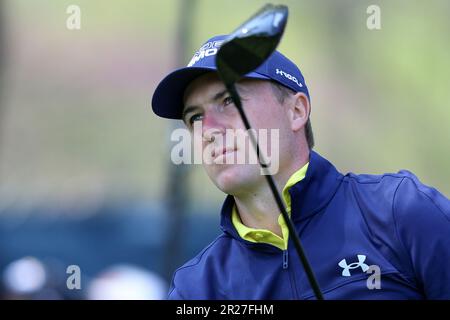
(252, 43)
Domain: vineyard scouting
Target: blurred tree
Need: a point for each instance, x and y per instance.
(2, 78)
(177, 195)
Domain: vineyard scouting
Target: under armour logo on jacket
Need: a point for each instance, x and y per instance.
(347, 267)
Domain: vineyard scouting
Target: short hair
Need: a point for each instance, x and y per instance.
(281, 93)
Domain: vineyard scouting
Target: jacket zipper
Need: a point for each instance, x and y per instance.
(285, 259)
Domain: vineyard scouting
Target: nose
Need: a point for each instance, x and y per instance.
(213, 125)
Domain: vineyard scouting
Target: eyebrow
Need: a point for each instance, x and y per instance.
(189, 109)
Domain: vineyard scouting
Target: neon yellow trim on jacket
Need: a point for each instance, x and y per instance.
(267, 236)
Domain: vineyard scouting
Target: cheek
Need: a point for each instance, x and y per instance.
(268, 115)
(279, 136)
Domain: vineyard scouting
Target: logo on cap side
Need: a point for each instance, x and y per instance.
(206, 50)
(289, 76)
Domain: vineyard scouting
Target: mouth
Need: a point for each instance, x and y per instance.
(219, 153)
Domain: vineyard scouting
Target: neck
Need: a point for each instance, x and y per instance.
(257, 207)
(259, 210)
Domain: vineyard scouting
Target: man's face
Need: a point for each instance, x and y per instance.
(207, 102)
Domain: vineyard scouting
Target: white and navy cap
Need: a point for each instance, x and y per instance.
(167, 101)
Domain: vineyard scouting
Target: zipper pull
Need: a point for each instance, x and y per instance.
(285, 259)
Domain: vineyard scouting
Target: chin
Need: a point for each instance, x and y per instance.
(234, 179)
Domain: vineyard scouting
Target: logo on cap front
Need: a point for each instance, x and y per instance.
(206, 50)
(289, 76)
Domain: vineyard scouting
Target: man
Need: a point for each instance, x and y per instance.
(366, 236)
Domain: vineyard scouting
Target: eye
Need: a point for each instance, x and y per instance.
(195, 117)
(228, 100)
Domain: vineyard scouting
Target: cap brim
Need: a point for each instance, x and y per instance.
(167, 100)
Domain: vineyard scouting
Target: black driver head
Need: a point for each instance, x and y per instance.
(252, 43)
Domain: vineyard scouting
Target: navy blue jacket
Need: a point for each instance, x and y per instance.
(347, 224)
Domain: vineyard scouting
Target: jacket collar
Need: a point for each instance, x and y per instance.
(308, 196)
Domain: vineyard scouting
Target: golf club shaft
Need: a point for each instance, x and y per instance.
(311, 278)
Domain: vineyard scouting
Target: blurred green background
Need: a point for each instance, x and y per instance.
(76, 126)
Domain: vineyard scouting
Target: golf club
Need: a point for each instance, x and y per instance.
(243, 51)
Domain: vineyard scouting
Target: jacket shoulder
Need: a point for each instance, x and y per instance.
(209, 250)
(187, 280)
(395, 196)
(392, 188)
(385, 178)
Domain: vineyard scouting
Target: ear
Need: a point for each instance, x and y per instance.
(299, 111)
